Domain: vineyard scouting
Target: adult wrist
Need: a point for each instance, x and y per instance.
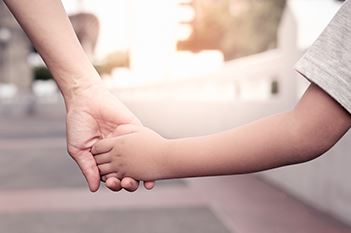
(79, 86)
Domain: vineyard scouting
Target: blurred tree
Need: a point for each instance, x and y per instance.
(236, 27)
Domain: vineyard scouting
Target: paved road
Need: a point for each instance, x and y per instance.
(42, 190)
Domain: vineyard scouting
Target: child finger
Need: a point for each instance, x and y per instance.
(113, 184)
(102, 158)
(105, 169)
(102, 146)
(129, 184)
(104, 178)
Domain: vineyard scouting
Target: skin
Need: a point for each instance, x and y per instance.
(92, 112)
(315, 124)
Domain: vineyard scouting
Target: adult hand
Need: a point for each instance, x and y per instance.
(92, 114)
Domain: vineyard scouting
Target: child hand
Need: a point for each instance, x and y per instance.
(138, 154)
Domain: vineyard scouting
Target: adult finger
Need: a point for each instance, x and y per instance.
(114, 184)
(129, 184)
(112, 174)
(149, 185)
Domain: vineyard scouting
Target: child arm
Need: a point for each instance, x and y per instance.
(302, 134)
(315, 124)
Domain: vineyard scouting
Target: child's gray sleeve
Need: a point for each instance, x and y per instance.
(328, 62)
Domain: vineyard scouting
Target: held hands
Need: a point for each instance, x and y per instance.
(93, 114)
(134, 151)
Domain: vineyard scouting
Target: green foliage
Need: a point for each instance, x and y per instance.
(42, 73)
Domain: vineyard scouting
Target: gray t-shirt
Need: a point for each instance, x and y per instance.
(328, 62)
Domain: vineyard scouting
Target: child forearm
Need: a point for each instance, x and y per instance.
(288, 138)
(261, 145)
(48, 27)
(311, 128)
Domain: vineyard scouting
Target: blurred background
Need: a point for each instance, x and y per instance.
(185, 68)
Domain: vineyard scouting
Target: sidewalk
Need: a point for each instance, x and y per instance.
(42, 190)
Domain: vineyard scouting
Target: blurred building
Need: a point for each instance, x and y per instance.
(86, 27)
(14, 51)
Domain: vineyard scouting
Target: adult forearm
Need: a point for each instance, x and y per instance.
(48, 27)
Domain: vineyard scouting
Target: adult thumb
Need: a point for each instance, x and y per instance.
(87, 165)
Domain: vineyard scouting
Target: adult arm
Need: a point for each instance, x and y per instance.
(92, 112)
